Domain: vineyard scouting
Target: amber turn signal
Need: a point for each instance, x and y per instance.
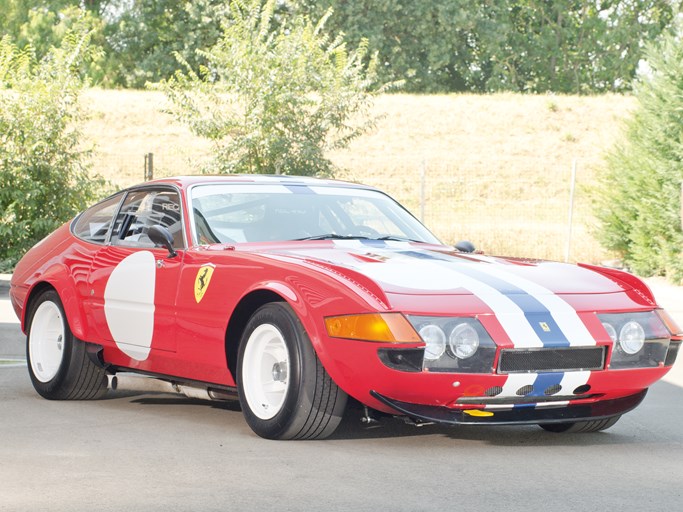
(378, 327)
(670, 323)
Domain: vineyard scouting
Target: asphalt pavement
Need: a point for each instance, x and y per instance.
(154, 452)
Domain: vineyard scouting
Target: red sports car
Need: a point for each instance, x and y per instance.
(295, 293)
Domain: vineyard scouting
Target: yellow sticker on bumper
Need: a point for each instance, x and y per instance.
(478, 412)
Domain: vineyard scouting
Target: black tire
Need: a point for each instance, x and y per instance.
(582, 427)
(311, 405)
(73, 376)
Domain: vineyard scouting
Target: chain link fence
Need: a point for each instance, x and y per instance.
(542, 211)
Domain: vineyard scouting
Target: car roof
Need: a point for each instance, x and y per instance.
(265, 179)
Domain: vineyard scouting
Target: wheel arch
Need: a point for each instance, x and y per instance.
(238, 321)
(67, 294)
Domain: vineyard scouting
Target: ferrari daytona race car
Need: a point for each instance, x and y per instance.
(293, 294)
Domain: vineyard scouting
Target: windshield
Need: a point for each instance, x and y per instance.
(229, 213)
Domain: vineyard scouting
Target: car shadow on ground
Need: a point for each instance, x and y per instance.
(388, 427)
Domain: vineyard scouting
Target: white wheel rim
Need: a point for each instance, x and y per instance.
(46, 341)
(265, 371)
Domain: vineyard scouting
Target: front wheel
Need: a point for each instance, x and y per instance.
(58, 363)
(580, 426)
(284, 391)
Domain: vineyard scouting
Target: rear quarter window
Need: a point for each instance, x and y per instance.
(94, 223)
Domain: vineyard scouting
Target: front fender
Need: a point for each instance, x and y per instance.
(626, 281)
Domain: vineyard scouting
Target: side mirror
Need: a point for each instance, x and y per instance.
(162, 237)
(465, 246)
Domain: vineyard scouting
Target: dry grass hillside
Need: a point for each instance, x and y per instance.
(494, 169)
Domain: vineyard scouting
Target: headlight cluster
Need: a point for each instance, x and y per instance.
(641, 340)
(455, 344)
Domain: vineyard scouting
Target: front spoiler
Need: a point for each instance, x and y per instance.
(520, 415)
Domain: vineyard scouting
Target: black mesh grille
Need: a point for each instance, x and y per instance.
(551, 359)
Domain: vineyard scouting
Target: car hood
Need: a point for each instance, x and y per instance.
(409, 268)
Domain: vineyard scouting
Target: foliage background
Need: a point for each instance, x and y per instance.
(43, 170)
(569, 46)
(639, 200)
(441, 46)
(275, 97)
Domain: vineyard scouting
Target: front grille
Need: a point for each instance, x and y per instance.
(551, 359)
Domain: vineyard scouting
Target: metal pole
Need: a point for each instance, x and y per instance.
(423, 172)
(572, 188)
(149, 166)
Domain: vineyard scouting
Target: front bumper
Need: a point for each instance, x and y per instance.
(519, 414)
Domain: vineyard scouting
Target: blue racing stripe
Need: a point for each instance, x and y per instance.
(543, 381)
(539, 317)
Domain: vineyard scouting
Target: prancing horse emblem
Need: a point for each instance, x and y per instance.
(544, 326)
(201, 282)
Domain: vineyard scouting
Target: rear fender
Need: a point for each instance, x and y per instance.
(57, 277)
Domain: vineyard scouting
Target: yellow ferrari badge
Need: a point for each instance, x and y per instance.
(544, 326)
(201, 282)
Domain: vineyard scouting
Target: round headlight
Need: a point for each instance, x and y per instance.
(463, 341)
(435, 339)
(611, 331)
(631, 337)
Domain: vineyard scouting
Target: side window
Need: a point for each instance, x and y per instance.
(143, 209)
(94, 223)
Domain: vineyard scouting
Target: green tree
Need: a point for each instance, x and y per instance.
(44, 178)
(145, 34)
(42, 25)
(573, 46)
(275, 96)
(639, 198)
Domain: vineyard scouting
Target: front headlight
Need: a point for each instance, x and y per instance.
(435, 341)
(463, 341)
(455, 344)
(631, 337)
(641, 339)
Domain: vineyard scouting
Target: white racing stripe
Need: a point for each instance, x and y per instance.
(441, 275)
(433, 275)
(516, 381)
(572, 380)
(566, 317)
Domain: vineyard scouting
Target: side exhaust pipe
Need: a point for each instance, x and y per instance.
(143, 384)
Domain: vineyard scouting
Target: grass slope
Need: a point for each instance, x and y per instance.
(494, 169)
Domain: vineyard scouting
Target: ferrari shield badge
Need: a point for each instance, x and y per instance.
(201, 282)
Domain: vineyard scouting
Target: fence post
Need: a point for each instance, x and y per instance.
(423, 172)
(572, 188)
(149, 166)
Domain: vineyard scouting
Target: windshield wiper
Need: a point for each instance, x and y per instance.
(334, 236)
(395, 238)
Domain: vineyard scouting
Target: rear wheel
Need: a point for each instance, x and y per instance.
(58, 363)
(580, 426)
(284, 391)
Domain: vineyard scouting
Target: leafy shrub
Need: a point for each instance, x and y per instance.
(44, 177)
(639, 198)
(275, 96)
